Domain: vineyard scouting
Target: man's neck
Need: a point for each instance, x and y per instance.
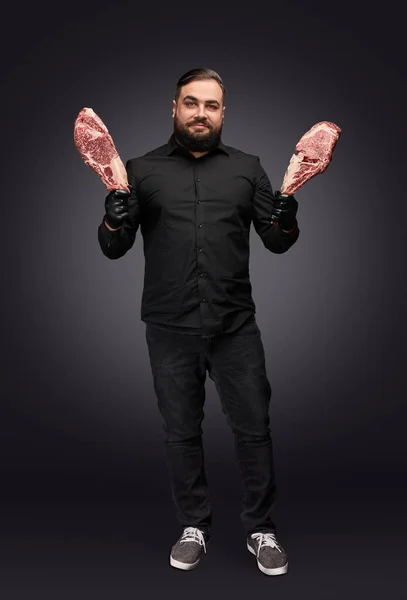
(198, 154)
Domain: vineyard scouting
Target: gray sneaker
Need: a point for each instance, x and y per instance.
(271, 556)
(186, 553)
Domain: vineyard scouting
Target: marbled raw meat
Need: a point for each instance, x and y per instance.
(315, 150)
(98, 151)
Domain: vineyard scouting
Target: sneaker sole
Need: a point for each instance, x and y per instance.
(276, 571)
(184, 566)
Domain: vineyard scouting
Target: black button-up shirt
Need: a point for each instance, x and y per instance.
(195, 216)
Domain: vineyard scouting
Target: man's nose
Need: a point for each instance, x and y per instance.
(201, 111)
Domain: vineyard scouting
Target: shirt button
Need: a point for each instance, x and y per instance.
(200, 225)
(197, 179)
(200, 249)
(201, 274)
(203, 300)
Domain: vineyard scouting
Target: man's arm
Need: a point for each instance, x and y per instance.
(114, 243)
(272, 235)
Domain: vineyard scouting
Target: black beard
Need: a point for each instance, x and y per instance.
(196, 142)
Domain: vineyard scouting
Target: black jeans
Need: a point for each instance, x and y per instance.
(236, 364)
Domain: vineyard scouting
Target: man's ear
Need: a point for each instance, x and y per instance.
(174, 108)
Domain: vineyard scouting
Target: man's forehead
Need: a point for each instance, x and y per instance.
(203, 90)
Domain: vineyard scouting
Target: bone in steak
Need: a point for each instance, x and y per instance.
(315, 150)
(98, 151)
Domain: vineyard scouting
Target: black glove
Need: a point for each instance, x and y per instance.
(284, 210)
(116, 207)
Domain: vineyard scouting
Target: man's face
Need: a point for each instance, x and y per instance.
(199, 102)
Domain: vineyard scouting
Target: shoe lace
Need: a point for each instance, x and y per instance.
(193, 534)
(265, 539)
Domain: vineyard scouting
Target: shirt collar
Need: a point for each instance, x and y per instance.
(173, 145)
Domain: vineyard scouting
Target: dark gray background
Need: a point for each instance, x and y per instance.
(86, 505)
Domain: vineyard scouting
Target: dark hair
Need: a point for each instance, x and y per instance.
(195, 74)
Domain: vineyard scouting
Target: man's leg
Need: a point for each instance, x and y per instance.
(179, 373)
(237, 367)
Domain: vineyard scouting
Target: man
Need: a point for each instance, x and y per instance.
(194, 199)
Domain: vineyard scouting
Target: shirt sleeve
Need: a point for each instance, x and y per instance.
(115, 244)
(273, 237)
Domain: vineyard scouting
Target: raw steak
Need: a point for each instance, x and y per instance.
(98, 151)
(315, 150)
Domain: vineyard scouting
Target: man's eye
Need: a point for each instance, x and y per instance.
(211, 106)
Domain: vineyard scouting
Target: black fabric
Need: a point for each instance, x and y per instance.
(236, 363)
(195, 216)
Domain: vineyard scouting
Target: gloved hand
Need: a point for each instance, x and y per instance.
(116, 206)
(284, 210)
